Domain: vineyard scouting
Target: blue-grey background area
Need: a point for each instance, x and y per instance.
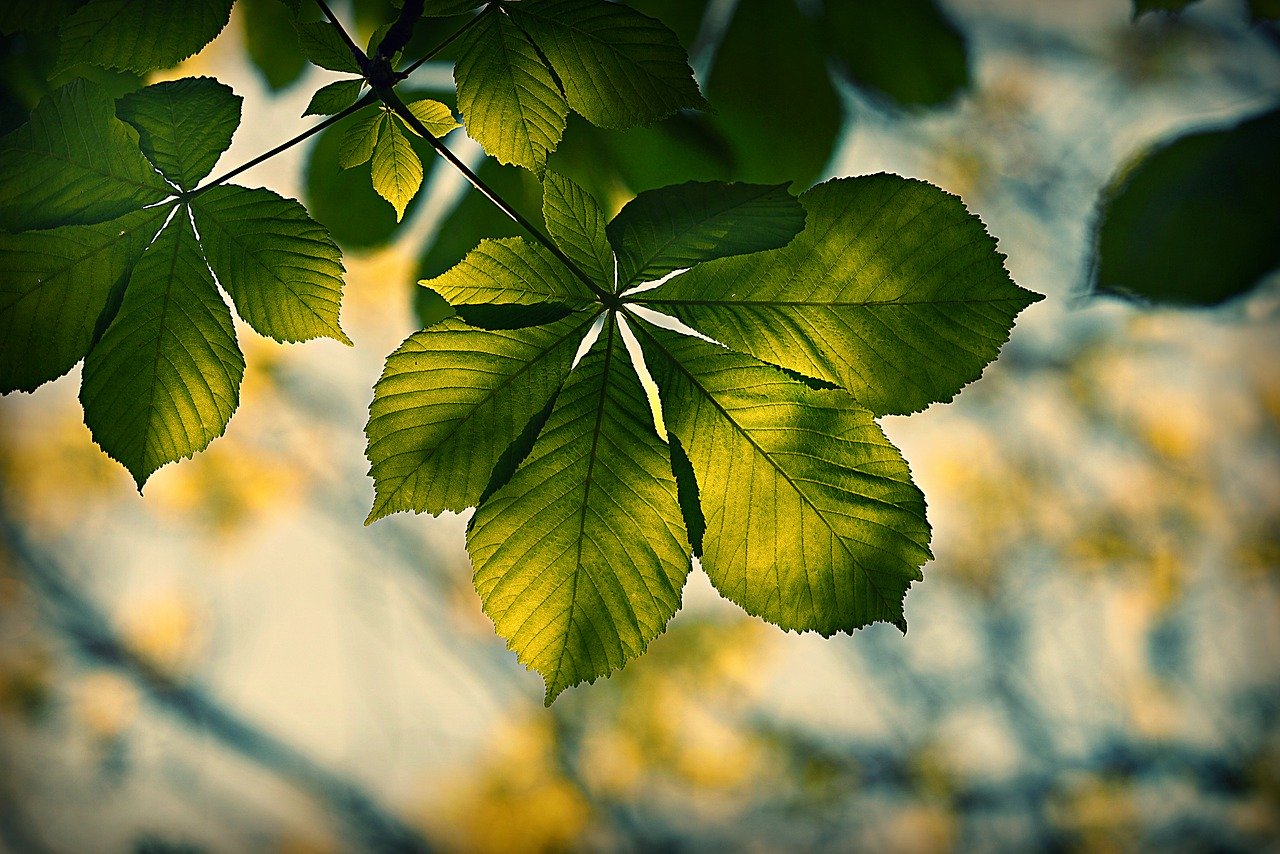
(235, 663)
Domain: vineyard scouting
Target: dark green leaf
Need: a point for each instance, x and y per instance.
(53, 287)
(183, 125)
(576, 224)
(280, 267)
(1195, 222)
(74, 162)
(165, 378)
(451, 400)
(580, 559)
(893, 291)
(812, 520)
(34, 16)
(676, 227)
(139, 35)
(322, 44)
(445, 8)
(271, 42)
(334, 98)
(618, 68)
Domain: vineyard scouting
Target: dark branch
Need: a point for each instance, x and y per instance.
(398, 36)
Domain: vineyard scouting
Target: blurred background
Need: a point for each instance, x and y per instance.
(235, 663)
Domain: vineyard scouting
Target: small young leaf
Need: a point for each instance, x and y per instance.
(812, 520)
(451, 400)
(675, 227)
(397, 171)
(619, 68)
(74, 162)
(436, 117)
(360, 139)
(183, 125)
(334, 98)
(165, 378)
(280, 267)
(509, 271)
(508, 98)
(53, 287)
(577, 225)
(139, 35)
(323, 45)
(581, 558)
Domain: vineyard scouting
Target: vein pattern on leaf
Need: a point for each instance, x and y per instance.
(183, 125)
(73, 163)
(577, 225)
(280, 267)
(893, 291)
(510, 270)
(139, 35)
(452, 399)
(580, 559)
(812, 521)
(54, 285)
(397, 171)
(165, 378)
(361, 137)
(508, 98)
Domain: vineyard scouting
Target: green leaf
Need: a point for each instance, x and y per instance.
(322, 44)
(581, 558)
(34, 16)
(892, 291)
(74, 162)
(773, 97)
(619, 68)
(436, 117)
(508, 98)
(280, 267)
(139, 35)
(54, 285)
(397, 171)
(577, 225)
(360, 138)
(334, 98)
(906, 49)
(671, 228)
(165, 378)
(183, 125)
(812, 521)
(1194, 223)
(272, 42)
(511, 271)
(450, 402)
(446, 8)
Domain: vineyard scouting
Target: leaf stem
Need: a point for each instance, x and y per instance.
(392, 100)
(429, 55)
(359, 54)
(368, 99)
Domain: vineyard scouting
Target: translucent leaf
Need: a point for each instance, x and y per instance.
(334, 98)
(397, 171)
(436, 117)
(165, 378)
(74, 162)
(55, 284)
(580, 559)
(577, 225)
(1194, 222)
(360, 138)
(812, 521)
(280, 267)
(671, 228)
(183, 125)
(323, 46)
(139, 35)
(510, 270)
(508, 98)
(893, 291)
(450, 402)
(906, 49)
(619, 68)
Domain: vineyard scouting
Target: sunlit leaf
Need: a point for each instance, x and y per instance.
(510, 270)
(334, 98)
(183, 125)
(436, 117)
(577, 225)
(359, 139)
(397, 171)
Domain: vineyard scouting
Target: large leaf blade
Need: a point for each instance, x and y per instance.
(280, 267)
(165, 379)
(450, 401)
(893, 291)
(183, 125)
(74, 162)
(139, 35)
(812, 521)
(580, 559)
(671, 228)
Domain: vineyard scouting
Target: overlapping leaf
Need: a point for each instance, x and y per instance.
(139, 35)
(87, 276)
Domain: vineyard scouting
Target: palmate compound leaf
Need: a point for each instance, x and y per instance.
(801, 510)
(139, 35)
(893, 291)
(162, 368)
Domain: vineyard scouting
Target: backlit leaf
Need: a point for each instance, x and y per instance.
(397, 171)
(436, 117)
(577, 225)
(183, 125)
(334, 98)
(360, 138)
(323, 46)
(139, 35)
(510, 270)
